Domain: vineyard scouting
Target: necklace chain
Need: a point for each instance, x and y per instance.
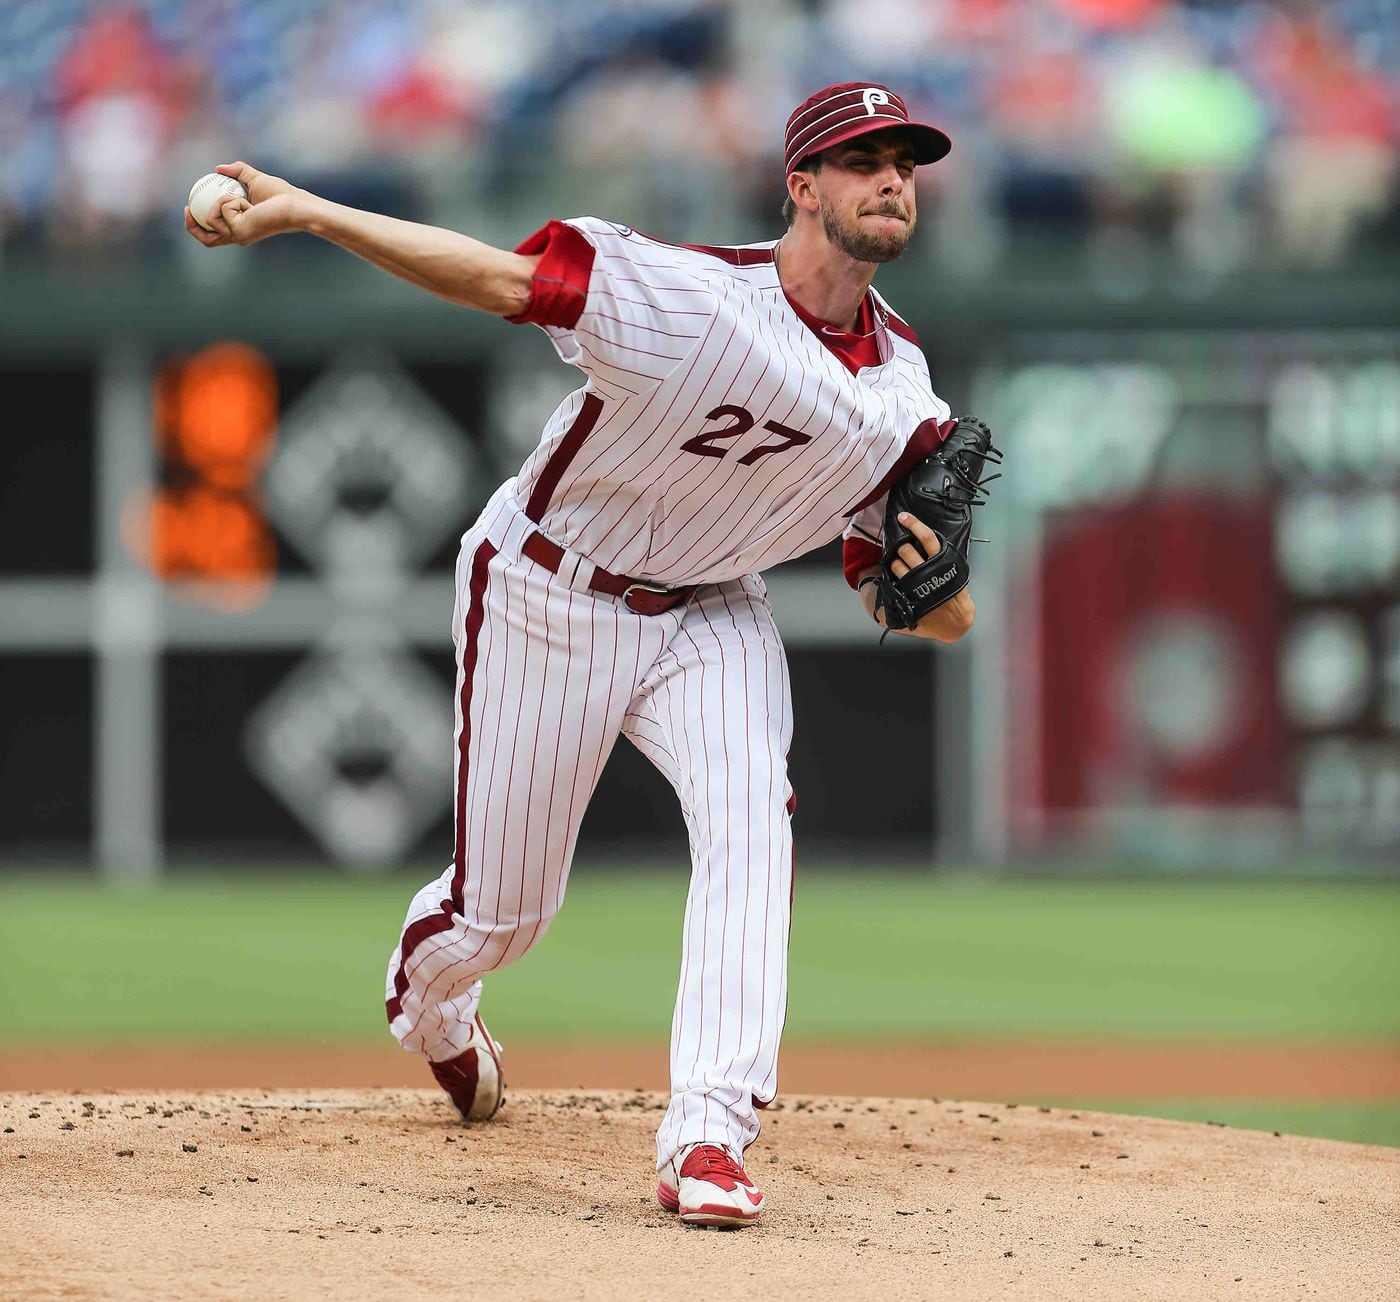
(882, 316)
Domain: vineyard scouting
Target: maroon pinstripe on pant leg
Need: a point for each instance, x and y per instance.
(475, 613)
(547, 673)
(421, 930)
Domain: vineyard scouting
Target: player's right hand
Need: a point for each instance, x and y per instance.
(271, 208)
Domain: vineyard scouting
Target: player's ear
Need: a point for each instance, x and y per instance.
(802, 190)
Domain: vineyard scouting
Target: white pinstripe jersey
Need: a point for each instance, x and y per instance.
(716, 436)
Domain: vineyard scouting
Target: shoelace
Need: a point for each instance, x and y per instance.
(716, 1161)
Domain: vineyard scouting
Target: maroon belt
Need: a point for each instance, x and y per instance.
(643, 598)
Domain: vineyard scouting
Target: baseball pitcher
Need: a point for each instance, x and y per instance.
(739, 406)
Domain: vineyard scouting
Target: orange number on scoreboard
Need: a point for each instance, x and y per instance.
(215, 421)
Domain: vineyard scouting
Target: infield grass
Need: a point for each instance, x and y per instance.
(243, 956)
(1357, 1123)
(875, 957)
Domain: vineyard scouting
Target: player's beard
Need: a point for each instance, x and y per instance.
(868, 246)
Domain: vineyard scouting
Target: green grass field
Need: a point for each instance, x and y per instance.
(239, 956)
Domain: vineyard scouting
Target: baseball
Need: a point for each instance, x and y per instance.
(207, 193)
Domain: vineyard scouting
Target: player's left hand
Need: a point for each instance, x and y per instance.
(945, 623)
(909, 556)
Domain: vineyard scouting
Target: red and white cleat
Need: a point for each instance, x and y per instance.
(705, 1185)
(474, 1080)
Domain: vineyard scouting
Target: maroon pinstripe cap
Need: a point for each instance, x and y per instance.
(836, 114)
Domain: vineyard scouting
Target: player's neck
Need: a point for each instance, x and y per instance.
(822, 279)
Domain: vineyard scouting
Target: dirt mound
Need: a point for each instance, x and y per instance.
(385, 1193)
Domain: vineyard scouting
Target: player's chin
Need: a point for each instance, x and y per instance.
(886, 251)
(881, 239)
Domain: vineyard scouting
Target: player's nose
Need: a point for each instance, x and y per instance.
(891, 182)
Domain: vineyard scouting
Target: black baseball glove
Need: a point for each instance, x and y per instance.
(941, 492)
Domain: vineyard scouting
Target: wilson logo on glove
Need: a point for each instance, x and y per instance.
(925, 588)
(942, 492)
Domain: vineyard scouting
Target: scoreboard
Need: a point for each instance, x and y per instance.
(1203, 608)
(1334, 445)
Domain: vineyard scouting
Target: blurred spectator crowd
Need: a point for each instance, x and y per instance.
(1228, 133)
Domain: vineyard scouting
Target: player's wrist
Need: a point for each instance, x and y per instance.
(312, 214)
(949, 622)
(867, 589)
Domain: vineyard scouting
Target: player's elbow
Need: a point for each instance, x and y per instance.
(492, 281)
(512, 297)
(513, 285)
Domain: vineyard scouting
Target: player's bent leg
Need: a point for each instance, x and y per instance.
(715, 716)
(433, 986)
(535, 721)
(447, 943)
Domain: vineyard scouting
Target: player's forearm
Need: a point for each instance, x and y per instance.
(946, 623)
(446, 263)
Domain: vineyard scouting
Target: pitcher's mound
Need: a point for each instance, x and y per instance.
(386, 1194)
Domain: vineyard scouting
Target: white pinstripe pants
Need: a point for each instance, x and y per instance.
(548, 676)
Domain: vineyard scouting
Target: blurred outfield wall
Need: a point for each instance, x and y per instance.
(228, 526)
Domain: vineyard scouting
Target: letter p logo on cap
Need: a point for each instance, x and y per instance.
(873, 96)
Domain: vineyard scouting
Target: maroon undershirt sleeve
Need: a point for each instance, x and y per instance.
(858, 554)
(559, 288)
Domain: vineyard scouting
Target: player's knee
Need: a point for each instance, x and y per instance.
(509, 935)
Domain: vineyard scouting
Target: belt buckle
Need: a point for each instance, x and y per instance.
(643, 606)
